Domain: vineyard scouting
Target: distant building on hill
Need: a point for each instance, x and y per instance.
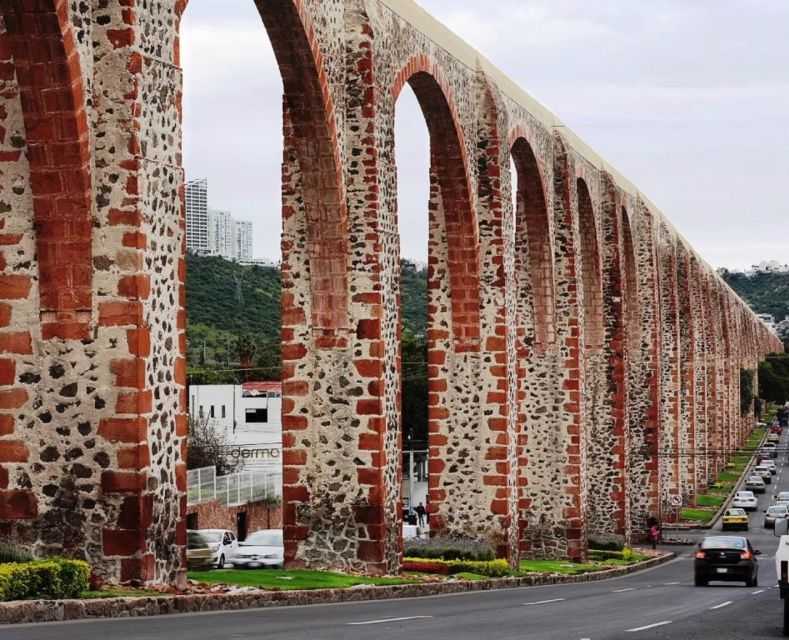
(214, 232)
(197, 216)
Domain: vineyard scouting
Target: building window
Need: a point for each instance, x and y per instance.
(211, 414)
(223, 411)
(257, 415)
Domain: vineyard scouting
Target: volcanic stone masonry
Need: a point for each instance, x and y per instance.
(579, 349)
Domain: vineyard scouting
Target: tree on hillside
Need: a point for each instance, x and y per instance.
(246, 349)
(414, 395)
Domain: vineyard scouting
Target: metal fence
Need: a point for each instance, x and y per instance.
(203, 485)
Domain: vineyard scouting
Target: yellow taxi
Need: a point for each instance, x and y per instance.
(735, 519)
(773, 437)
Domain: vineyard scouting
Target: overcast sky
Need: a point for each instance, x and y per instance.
(688, 98)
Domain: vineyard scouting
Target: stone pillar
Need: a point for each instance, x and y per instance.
(644, 401)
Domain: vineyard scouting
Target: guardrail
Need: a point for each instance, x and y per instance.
(203, 485)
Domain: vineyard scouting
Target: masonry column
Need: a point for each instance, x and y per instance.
(644, 370)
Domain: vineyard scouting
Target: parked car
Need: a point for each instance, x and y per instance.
(773, 513)
(745, 500)
(764, 473)
(261, 549)
(726, 558)
(224, 545)
(755, 484)
(735, 519)
(198, 551)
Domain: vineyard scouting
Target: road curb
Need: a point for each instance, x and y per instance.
(25, 612)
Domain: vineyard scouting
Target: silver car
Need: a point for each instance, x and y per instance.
(261, 549)
(773, 513)
(755, 484)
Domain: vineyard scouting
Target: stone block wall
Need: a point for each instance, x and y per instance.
(578, 346)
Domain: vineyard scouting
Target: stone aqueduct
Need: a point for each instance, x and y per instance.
(580, 351)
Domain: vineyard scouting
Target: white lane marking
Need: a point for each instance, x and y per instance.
(721, 605)
(670, 584)
(528, 604)
(388, 620)
(753, 593)
(649, 626)
(623, 590)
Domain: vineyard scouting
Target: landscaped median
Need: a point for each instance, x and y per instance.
(276, 588)
(711, 501)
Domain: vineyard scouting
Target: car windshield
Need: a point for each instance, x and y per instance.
(212, 536)
(736, 512)
(745, 494)
(783, 495)
(754, 479)
(195, 541)
(723, 543)
(781, 508)
(264, 539)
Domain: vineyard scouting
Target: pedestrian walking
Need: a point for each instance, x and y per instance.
(654, 534)
(420, 514)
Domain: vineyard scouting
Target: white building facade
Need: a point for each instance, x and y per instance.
(243, 240)
(250, 417)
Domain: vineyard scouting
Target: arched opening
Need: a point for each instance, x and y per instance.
(453, 265)
(412, 159)
(632, 324)
(310, 289)
(533, 250)
(591, 276)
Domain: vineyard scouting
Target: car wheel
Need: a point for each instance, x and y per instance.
(700, 582)
(221, 563)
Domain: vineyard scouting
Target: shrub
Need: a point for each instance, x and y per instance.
(425, 566)
(606, 542)
(626, 554)
(491, 568)
(55, 578)
(449, 548)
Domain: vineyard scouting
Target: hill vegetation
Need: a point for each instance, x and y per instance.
(764, 292)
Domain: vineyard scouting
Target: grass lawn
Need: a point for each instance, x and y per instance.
(710, 500)
(702, 515)
(284, 579)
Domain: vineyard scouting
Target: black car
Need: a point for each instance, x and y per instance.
(729, 558)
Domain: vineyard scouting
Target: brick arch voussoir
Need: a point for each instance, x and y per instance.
(450, 163)
(40, 40)
(591, 261)
(315, 139)
(535, 226)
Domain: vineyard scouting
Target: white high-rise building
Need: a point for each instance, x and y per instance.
(197, 216)
(220, 234)
(243, 240)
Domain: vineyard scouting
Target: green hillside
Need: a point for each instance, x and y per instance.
(225, 301)
(764, 292)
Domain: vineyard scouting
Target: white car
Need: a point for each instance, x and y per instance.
(223, 545)
(261, 549)
(764, 473)
(782, 495)
(745, 500)
(770, 464)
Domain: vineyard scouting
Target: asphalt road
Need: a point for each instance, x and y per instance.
(658, 603)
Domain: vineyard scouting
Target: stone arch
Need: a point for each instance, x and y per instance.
(45, 59)
(632, 324)
(450, 186)
(591, 273)
(311, 133)
(533, 246)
